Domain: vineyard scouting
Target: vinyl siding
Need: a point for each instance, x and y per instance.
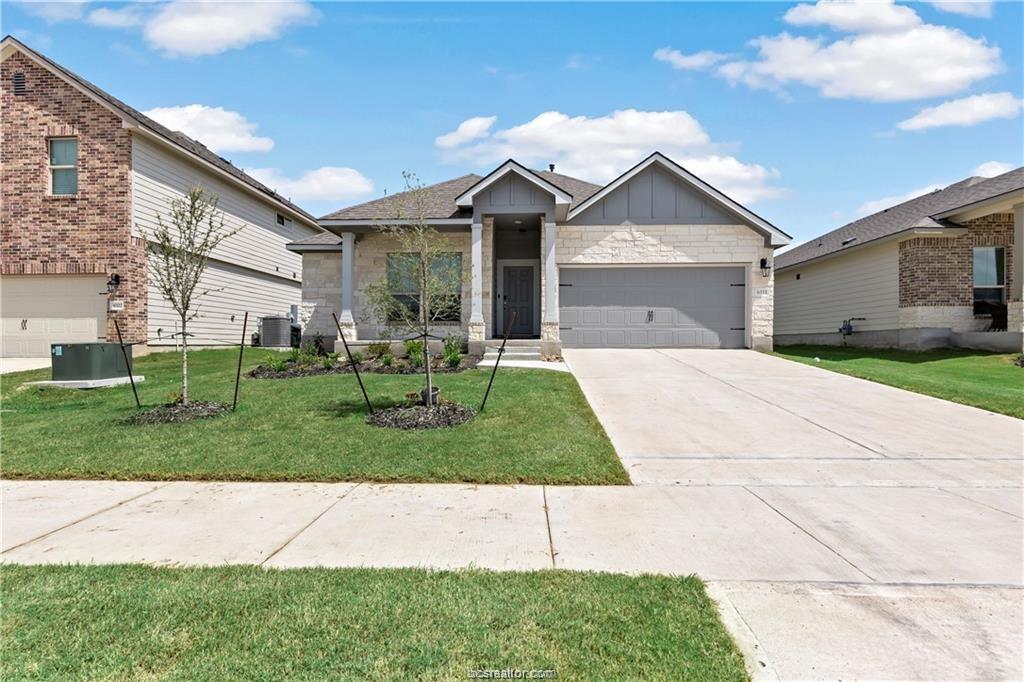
(159, 176)
(862, 283)
(233, 291)
(251, 270)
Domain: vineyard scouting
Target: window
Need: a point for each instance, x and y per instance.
(63, 166)
(404, 282)
(989, 279)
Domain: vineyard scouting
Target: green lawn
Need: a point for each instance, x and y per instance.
(987, 380)
(131, 622)
(538, 428)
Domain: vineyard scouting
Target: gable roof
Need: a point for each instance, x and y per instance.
(183, 142)
(440, 200)
(777, 236)
(465, 199)
(923, 212)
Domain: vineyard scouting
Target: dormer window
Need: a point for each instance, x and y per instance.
(63, 166)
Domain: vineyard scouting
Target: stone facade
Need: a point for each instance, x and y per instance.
(680, 244)
(89, 233)
(936, 278)
(321, 294)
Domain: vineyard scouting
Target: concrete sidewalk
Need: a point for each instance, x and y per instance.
(820, 582)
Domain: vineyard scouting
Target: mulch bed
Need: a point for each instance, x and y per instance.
(176, 412)
(421, 417)
(374, 366)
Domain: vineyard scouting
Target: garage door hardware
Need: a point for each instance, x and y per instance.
(650, 316)
(741, 284)
(737, 329)
(564, 285)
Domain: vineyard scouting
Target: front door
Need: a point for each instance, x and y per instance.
(518, 292)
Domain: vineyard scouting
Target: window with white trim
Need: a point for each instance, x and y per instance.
(63, 153)
(989, 278)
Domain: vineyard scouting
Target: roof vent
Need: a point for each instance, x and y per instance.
(19, 83)
(848, 240)
(551, 167)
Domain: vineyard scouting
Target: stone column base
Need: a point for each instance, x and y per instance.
(762, 343)
(349, 329)
(476, 338)
(550, 341)
(1015, 316)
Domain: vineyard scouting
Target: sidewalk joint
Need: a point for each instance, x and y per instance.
(547, 520)
(302, 530)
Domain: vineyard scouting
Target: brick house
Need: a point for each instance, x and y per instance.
(84, 176)
(655, 258)
(938, 270)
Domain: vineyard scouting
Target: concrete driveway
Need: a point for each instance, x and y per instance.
(919, 501)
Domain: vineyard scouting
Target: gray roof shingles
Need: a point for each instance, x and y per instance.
(184, 141)
(916, 212)
(440, 199)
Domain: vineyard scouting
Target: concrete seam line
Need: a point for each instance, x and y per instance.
(302, 530)
(758, 662)
(780, 407)
(547, 521)
(89, 516)
(987, 506)
(810, 535)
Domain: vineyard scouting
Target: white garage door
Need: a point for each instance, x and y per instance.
(665, 307)
(37, 310)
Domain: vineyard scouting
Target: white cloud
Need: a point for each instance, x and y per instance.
(328, 183)
(579, 60)
(218, 128)
(191, 29)
(892, 56)
(704, 59)
(469, 130)
(54, 12)
(967, 111)
(990, 169)
(853, 17)
(967, 8)
(600, 148)
(106, 17)
(877, 205)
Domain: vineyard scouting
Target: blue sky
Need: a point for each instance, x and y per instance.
(809, 113)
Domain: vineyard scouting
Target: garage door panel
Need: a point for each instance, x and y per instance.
(653, 307)
(38, 310)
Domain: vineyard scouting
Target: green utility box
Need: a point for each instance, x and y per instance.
(88, 361)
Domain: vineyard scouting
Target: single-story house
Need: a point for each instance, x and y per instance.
(655, 258)
(938, 270)
(84, 177)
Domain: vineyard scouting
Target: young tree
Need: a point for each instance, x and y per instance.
(180, 247)
(423, 284)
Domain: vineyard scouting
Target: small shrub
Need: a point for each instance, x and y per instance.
(387, 359)
(379, 348)
(358, 358)
(277, 362)
(1019, 361)
(453, 344)
(416, 361)
(294, 354)
(453, 359)
(414, 348)
(327, 362)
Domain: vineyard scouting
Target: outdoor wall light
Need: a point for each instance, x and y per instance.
(113, 282)
(765, 268)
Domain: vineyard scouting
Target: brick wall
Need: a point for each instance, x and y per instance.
(86, 234)
(940, 271)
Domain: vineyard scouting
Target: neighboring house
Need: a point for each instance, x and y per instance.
(941, 269)
(84, 176)
(655, 258)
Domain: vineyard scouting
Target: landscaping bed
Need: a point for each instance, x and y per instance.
(441, 416)
(991, 381)
(289, 368)
(177, 412)
(537, 428)
(139, 622)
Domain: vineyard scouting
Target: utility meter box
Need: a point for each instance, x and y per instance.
(88, 361)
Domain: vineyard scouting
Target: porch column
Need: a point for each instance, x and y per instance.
(477, 329)
(1015, 311)
(348, 278)
(549, 338)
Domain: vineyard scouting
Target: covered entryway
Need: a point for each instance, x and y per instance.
(38, 310)
(652, 307)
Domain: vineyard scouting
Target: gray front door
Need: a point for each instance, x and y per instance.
(681, 307)
(518, 292)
